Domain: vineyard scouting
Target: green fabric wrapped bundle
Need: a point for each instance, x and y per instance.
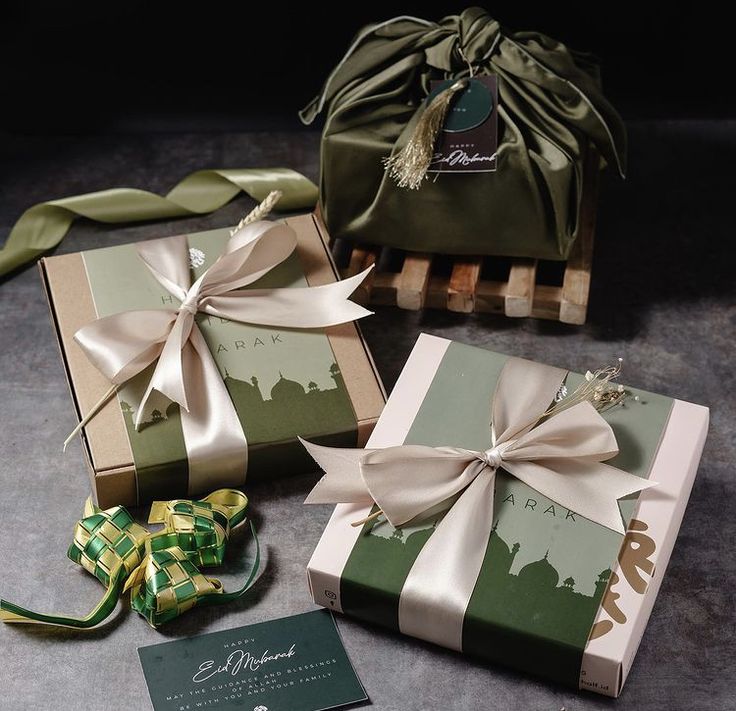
(551, 114)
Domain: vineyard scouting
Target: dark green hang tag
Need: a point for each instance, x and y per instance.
(469, 139)
(469, 109)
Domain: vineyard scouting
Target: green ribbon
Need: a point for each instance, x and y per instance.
(43, 226)
(160, 569)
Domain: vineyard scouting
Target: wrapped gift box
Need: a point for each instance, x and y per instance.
(558, 596)
(282, 382)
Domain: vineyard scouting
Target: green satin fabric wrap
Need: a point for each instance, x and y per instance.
(551, 110)
(43, 226)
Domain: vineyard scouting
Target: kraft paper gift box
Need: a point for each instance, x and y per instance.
(282, 382)
(558, 596)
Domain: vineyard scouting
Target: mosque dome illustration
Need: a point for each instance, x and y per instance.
(501, 554)
(539, 574)
(286, 389)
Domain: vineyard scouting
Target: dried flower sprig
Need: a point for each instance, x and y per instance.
(260, 211)
(596, 389)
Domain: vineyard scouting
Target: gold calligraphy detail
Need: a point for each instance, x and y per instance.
(635, 557)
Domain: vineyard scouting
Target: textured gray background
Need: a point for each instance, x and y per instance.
(663, 298)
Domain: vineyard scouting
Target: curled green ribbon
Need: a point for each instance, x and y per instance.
(160, 569)
(43, 226)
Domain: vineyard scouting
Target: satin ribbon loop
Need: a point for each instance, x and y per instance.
(124, 344)
(558, 451)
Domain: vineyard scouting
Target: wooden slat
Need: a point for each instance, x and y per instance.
(576, 283)
(463, 281)
(411, 290)
(520, 288)
(437, 293)
(546, 302)
(361, 258)
(509, 298)
(490, 297)
(384, 289)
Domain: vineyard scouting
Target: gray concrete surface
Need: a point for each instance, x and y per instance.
(663, 298)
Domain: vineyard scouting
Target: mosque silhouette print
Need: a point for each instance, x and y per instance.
(535, 600)
(290, 410)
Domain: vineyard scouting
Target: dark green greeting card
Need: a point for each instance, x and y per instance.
(294, 663)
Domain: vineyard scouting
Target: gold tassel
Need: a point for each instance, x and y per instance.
(409, 166)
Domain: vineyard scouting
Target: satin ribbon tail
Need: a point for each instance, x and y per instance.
(12, 613)
(249, 581)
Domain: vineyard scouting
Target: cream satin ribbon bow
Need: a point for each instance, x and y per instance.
(557, 452)
(122, 345)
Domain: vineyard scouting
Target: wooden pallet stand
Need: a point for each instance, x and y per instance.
(527, 287)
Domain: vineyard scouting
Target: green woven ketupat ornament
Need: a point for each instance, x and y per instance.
(167, 583)
(106, 542)
(159, 568)
(199, 528)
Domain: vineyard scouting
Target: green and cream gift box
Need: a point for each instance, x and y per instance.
(283, 382)
(557, 595)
